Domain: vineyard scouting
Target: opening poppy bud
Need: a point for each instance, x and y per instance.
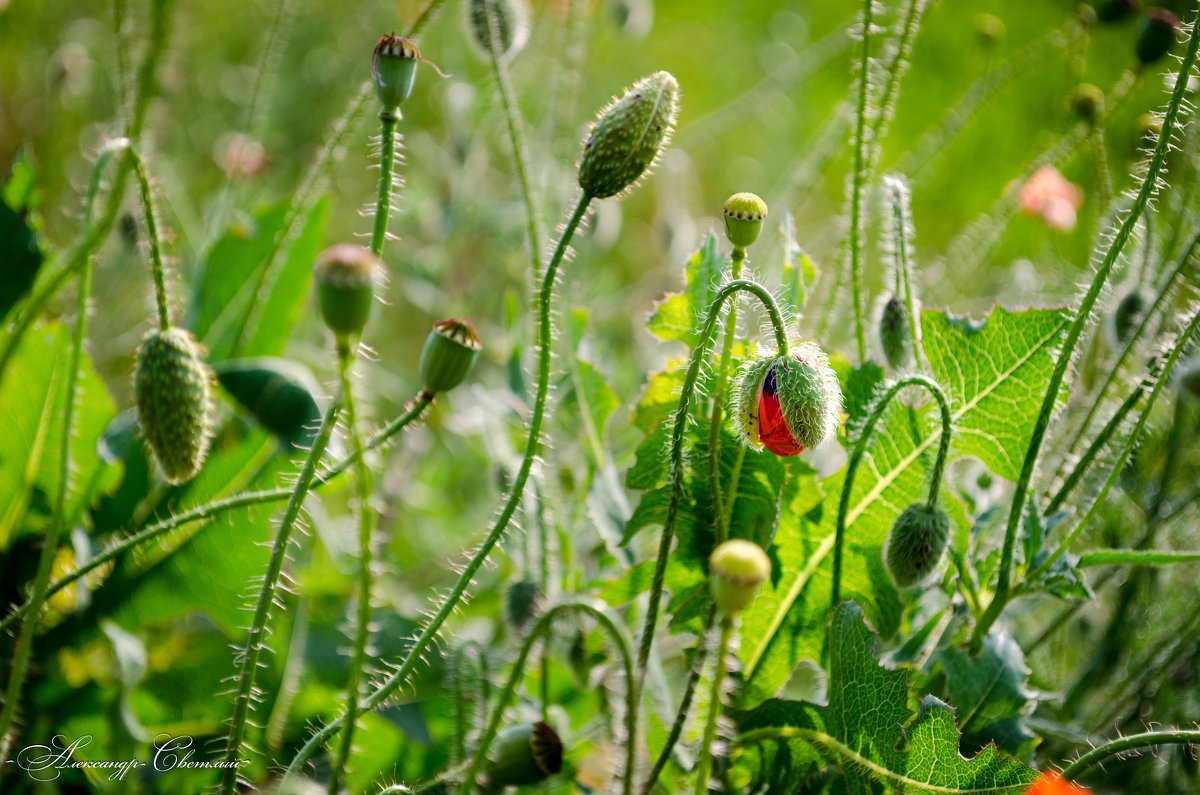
(1116, 10)
(628, 136)
(523, 755)
(172, 390)
(915, 546)
(894, 332)
(512, 25)
(346, 276)
(1156, 33)
(394, 69)
(449, 352)
(744, 216)
(737, 568)
(788, 403)
(1087, 101)
(1128, 315)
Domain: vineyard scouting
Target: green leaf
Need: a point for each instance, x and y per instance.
(680, 316)
(991, 694)
(19, 250)
(280, 394)
(867, 729)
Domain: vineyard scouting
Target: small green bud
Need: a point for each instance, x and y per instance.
(744, 216)
(512, 23)
(628, 136)
(894, 332)
(787, 403)
(522, 601)
(737, 568)
(523, 755)
(1128, 315)
(450, 351)
(173, 394)
(1087, 102)
(1157, 31)
(346, 276)
(1116, 10)
(915, 546)
(990, 30)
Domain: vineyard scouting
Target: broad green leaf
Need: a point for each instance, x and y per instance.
(867, 729)
(279, 393)
(990, 693)
(679, 316)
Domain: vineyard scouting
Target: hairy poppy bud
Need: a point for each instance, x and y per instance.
(915, 546)
(1156, 32)
(738, 568)
(512, 25)
(1087, 102)
(449, 352)
(744, 216)
(521, 602)
(1128, 315)
(628, 136)
(1116, 10)
(172, 390)
(522, 755)
(788, 403)
(346, 276)
(894, 332)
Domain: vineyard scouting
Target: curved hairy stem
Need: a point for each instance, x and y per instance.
(156, 263)
(901, 223)
(714, 708)
(718, 401)
(699, 353)
(449, 603)
(460, 698)
(252, 649)
(1133, 742)
(860, 449)
(387, 158)
(1082, 315)
(617, 635)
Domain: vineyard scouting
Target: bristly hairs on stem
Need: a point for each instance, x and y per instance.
(898, 242)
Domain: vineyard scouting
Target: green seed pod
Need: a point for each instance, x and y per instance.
(346, 276)
(737, 568)
(512, 23)
(173, 394)
(522, 601)
(394, 69)
(1116, 10)
(1157, 31)
(450, 351)
(787, 404)
(1087, 102)
(915, 546)
(1127, 315)
(894, 332)
(628, 136)
(523, 755)
(744, 216)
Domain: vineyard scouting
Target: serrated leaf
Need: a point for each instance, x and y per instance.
(680, 316)
(990, 692)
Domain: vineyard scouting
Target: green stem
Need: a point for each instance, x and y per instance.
(41, 580)
(252, 649)
(450, 603)
(387, 157)
(1021, 492)
(860, 449)
(859, 179)
(362, 628)
(901, 222)
(1094, 449)
(699, 353)
(619, 640)
(1134, 741)
(210, 509)
(718, 405)
(704, 766)
(156, 264)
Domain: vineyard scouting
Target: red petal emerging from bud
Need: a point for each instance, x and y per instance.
(773, 431)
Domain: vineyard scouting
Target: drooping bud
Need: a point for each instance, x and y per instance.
(787, 403)
(522, 602)
(894, 332)
(1116, 10)
(737, 568)
(346, 276)
(915, 546)
(628, 136)
(523, 755)
(511, 20)
(1087, 102)
(744, 216)
(394, 70)
(450, 351)
(1128, 315)
(1157, 31)
(172, 390)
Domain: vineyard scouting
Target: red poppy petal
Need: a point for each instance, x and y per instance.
(1051, 783)
(772, 429)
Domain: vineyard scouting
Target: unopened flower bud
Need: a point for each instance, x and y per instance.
(172, 390)
(511, 20)
(523, 755)
(788, 403)
(737, 568)
(1157, 31)
(1116, 10)
(628, 136)
(450, 351)
(1087, 102)
(346, 276)
(894, 332)
(915, 546)
(744, 216)
(1128, 315)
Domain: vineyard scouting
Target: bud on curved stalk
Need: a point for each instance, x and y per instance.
(1087, 102)
(449, 353)
(172, 390)
(512, 23)
(522, 755)
(1127, 315)
(737, 568)
(788, 403)
(346, 276)
(628, 136)
(1157, 32)
(916, 543)
(990, 31)
(394, 69)
(522, 602)
(744, 216)
(1116, 10)
(894, 333)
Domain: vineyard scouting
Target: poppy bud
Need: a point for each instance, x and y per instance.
(744, 216)
(628, 136)
(738, 568)
(1156, 32)
(521, 602)
(346, 276)
(449, 352)
(1116, 10)
(512, 25)
(172, 390)
(894, 332)
(1127, 315)
(990, 31)
(1087, 101)
(523, 755)
(915, 546)
(788, 403)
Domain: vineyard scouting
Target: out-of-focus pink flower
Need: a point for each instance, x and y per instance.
(1049, 196)
(243, 156)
